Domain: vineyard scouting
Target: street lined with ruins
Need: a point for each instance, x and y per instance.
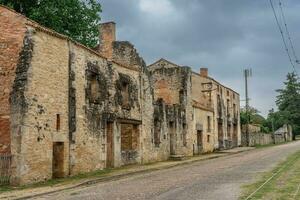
(220, 178)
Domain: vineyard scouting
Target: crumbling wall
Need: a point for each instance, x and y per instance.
(203, 110)
(125, 53)
(11, 42)
(172, 85)
(39, 98)
(228, 116)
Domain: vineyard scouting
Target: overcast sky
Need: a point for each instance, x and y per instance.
(225, 36)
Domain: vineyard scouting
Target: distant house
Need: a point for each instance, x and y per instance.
(284, 134)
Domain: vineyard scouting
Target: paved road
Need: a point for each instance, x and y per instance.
(218, 179)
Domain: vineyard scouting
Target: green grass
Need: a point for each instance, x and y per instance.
(73, 179)
(283, 186)
(52, 182)
(269, 145)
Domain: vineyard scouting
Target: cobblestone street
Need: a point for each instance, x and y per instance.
(219, 178)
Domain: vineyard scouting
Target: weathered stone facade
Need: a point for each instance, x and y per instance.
(67, 109)
(211, 109)
(256, 137)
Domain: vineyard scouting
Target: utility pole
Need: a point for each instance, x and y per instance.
(247, 74)
(273, 130)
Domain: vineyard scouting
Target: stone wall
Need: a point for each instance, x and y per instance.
(257, 139)
(11, 41)
(203, 115)
(263, 139)
(172, 90)
(224, 103)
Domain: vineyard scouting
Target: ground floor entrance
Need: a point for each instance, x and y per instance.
(109, 145)
(172, 138)
(130, 136)
(58, 160)
(199, 142)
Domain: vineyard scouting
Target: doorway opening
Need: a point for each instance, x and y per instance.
(129, 143)
(199, 141)
(109, 145)
(58, 160)
(172, 138)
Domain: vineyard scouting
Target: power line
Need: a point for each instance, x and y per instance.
(288, 33)
(283, 38)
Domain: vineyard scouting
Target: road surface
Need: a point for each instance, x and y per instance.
(219, 178)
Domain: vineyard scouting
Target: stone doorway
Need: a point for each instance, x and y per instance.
(172, 139)
(58, 160)
(109, 145)
(199, 141)
(220, 135)
(235, 138)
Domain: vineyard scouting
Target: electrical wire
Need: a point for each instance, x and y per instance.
(283, 38)
(288, 33)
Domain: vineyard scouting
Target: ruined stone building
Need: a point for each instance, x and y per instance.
(207, 112)
(67, 109)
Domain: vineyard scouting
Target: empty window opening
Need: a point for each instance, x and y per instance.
(184, 135)
(208, 124)
(208, 138)
(181, 96)
(125, 94)
(157, 133)
(234, 110)
(94, 90)
(57, 122)
(228, 106)
(229, 132)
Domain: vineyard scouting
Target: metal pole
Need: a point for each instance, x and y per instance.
(246, 72)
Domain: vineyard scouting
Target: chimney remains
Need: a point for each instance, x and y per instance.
(204, 72)
(106, 38)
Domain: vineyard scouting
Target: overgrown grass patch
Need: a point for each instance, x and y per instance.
(283, 186)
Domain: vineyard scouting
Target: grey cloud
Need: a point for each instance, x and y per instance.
(223, 35)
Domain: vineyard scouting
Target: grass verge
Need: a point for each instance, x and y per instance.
(284, 185)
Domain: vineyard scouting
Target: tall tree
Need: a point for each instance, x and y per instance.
(77, 19)
(288, 102)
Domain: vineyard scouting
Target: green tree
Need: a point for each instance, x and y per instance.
(254, 118)
(275, 120)
(77, 19)
(288, 102)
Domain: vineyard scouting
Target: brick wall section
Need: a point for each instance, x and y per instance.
(106, 38)
(11, 41)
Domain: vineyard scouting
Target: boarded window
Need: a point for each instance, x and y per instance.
(129, 137)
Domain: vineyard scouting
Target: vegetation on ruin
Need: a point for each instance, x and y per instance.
(288, 103)
(283, 185)
(78, 19)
